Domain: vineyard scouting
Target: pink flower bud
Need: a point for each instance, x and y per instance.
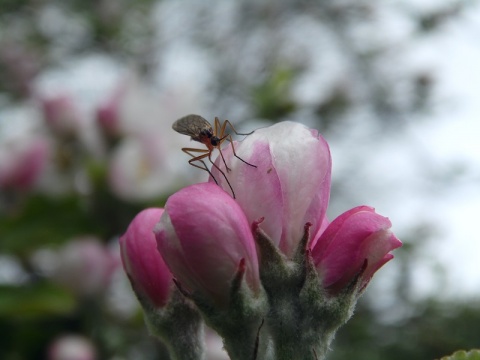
(108, 113)
(290, 185)
(204, 236)
(61, 115)
(72, 347)
(20, 64)
(85, 266)
(354, 237)
(143, 264)
(22, 163)
(107, 117)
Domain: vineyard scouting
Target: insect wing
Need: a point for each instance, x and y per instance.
(191, 125)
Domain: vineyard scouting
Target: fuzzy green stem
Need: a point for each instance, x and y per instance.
(182, 348)
(289, 346)
(301, 319)
(238, 322)
(293, 337)
(241, 346)
(179, 326)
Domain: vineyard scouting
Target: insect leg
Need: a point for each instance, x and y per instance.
(229, 138)
(222, 137)
(231, 126)
(206, 153)
(199, 158)
(224, 162)
(216, 126)
(225, 176)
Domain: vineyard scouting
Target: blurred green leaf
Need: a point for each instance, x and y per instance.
(272, 98)
(8, 6)
(463, 355)
(44, 221)
(331, 109)
(40, 300)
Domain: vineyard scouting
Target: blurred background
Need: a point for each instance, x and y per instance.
(88, 93)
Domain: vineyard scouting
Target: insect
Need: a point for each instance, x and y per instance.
(201, 130)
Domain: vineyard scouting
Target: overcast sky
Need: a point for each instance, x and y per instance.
(449, 141)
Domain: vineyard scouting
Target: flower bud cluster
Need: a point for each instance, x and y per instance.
(266, 270)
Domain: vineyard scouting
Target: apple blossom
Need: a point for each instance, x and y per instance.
(108, 113)
(20, 64)
(356, 236)
(61, 114)
(135, 167)
(289, 187)
(140, 169)
(72, 347)
(146, 269)
(85, 266)
(204, 237)
(22, 162)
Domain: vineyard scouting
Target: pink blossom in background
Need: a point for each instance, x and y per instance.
(356, 236)
(61, 114)
(107, 118)
(22, 162)
(72, 347)
(144, 266)
(139, 168)
(144, 109)
(134, 108)
(85, 266)
(289, 187)
(203, 235)
(20, 64)
(145, 161)
(109, 112)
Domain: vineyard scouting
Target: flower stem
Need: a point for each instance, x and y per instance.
(179, 326)
(241, 347)
(183, 348)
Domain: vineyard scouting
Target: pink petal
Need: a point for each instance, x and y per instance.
(203, 235)
(355, 236)
(140, 258)
(265, 199)
(23, 162)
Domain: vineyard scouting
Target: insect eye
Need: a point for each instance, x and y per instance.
(214, 141)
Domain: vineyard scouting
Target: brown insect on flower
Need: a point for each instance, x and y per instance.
(202, 131)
